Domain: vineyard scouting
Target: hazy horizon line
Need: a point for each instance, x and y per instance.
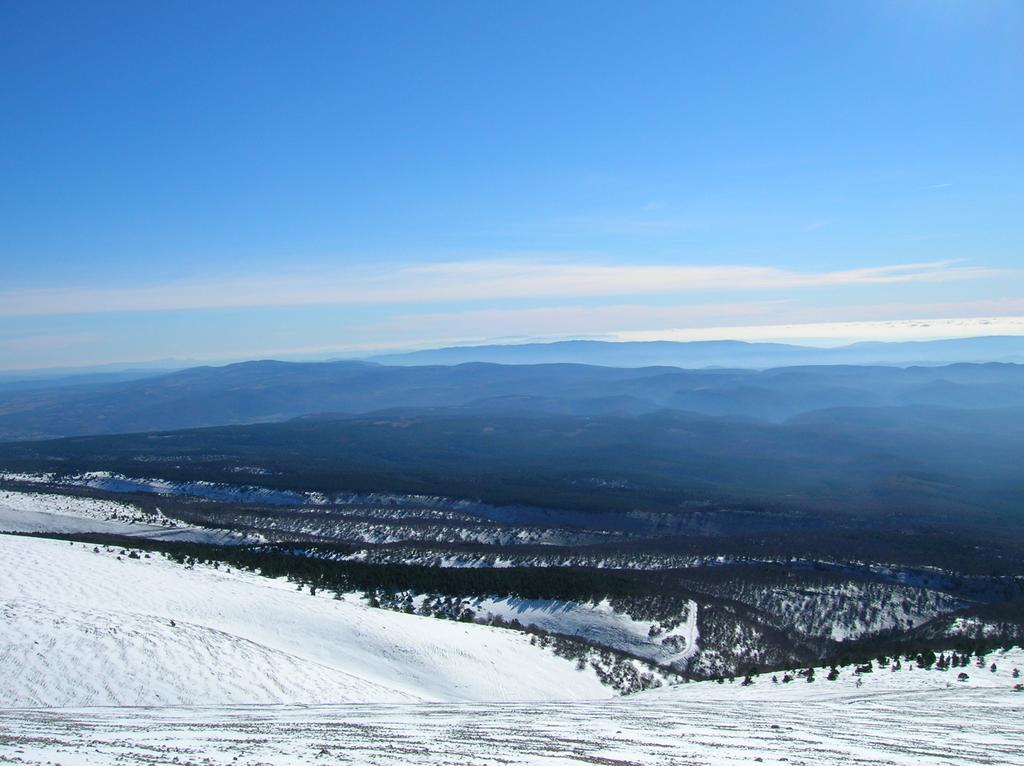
(814, 335)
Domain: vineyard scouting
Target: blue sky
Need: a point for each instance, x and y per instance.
(224, 180)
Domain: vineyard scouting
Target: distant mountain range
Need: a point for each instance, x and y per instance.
(722, 353)
(269, 391)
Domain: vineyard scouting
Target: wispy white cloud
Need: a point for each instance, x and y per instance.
(765, 320)
(786, 321)
(833, 333)
(487, 280)
(562, 321)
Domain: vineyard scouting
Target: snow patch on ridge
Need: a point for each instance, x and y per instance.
(44, 512)
(600, 623)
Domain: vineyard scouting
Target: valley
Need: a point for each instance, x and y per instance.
(470, 563)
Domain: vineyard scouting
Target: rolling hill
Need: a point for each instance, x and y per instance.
(268, 391)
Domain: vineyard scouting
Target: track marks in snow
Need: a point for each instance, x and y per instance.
(972, 727)
(75, 616)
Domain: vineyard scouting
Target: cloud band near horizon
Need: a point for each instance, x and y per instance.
(493, 280)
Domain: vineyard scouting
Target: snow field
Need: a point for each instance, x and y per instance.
(94, 628)
(962, 726)
(82, 628)
(48, 512)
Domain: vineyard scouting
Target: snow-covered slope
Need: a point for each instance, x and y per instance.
(49, 512)
(910, 718)
(82, 627)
